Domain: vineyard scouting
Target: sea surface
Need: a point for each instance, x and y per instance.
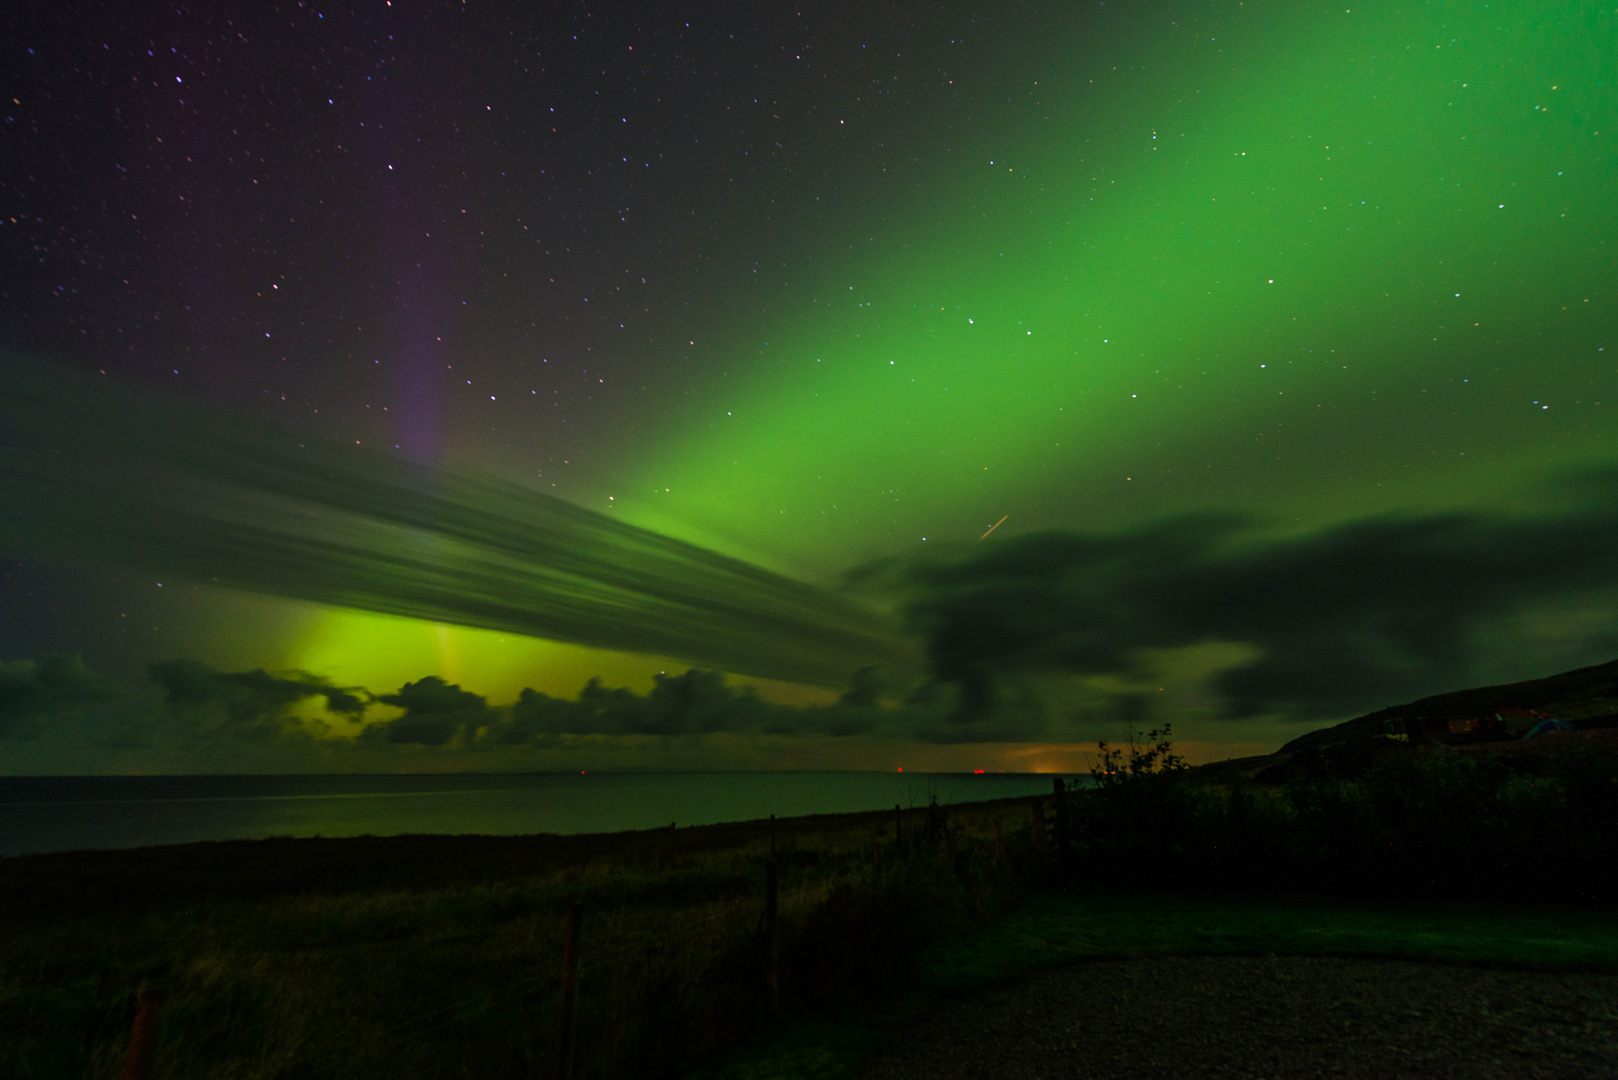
(39, 814)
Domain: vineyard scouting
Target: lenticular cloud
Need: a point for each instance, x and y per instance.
(93, 471)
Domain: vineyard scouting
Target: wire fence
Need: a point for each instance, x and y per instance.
(793, 904)
(645, 956)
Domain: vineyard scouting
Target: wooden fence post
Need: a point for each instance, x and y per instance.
(143, 1036)
(999, 845)
(772, 937)
(1039, 826)
(570, 989)
(1060, 825)
(1238, 813)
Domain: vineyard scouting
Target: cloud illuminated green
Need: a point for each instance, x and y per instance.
(93, 472)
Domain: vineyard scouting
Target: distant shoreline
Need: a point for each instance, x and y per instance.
(54, 814)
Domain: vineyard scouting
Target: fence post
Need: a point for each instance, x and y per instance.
(570, 989)
(143, 1036)
(1039, 826)
(1059, 831)
(999, 845)
(772, 937)
(1238, 813)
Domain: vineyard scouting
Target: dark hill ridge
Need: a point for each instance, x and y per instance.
(1470, 719)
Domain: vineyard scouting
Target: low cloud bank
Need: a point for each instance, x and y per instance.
(1051, 637)
(696, 702)
(1333, 622)
(251, 705)
(36, 693)
(436, 712)
(195, 707)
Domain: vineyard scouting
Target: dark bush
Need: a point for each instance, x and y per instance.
(1427, 821)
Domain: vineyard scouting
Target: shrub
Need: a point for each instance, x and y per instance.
(1429, 821)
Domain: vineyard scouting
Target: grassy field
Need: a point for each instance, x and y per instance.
(437, 956)
(1056, 929)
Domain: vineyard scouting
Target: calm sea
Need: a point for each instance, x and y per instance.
(70, 813)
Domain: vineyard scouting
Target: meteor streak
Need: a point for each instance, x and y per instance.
(993, 527)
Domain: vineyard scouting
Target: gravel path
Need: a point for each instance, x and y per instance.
(1217, 1017)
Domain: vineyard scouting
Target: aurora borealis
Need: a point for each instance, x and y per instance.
(1281, 335)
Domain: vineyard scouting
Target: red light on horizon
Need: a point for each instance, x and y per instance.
(901, 768)
(977, 772)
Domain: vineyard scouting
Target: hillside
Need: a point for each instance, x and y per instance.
(1483, 721)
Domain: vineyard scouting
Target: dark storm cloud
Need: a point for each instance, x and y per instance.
(95, 472)
(1350, 617)
(246, 695)
(203, 707)
(248, 705)
(696, 702)
(33, 692)
(435, 712)
(700, 702)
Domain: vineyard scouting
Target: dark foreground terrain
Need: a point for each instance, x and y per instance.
(440, 956)
(1489, 724)
(1229, 1016)
(385, 958)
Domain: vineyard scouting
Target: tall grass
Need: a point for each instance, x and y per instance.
(440, 956)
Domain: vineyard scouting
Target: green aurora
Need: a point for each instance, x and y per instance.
(1254, 284)
(1309, 262)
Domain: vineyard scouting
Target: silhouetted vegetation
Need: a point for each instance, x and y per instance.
(439, 955)
(1419, 820)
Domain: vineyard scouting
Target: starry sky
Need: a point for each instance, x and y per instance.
(1275, 342)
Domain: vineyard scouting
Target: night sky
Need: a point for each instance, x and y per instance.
(1276, 342)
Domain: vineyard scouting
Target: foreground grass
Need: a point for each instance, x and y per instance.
(1057, 929)
(438, 956)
